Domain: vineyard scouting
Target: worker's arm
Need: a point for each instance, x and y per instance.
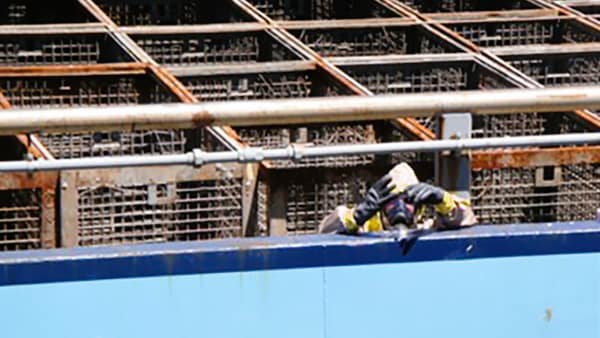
(365, 215)
(451, 211)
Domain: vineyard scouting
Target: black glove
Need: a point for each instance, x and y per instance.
(423, 193)
(378, 195)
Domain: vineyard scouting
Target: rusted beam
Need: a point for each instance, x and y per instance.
(237, 69)
(54, 29)
(98, 13)
(172, 84)
(524, 158)
(220, 28)
(530, 14)
(347, 23)
(557, 49)
(129, 68)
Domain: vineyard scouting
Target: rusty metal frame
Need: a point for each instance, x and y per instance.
(31, 142)
(286, 38)
(228, 136)
(70, 181)
(434, 23)
(46, 182)
(530, 157)
(490, 59)
(534, 157)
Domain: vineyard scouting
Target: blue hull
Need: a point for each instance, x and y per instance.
(536, 282)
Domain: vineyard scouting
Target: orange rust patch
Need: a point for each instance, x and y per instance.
(523, 158)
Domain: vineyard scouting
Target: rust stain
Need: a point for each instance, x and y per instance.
(523, 158)
(202, 119)
(38, 180)
(548, 314)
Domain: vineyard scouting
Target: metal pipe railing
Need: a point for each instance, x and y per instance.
(247, 155)
(297, 111)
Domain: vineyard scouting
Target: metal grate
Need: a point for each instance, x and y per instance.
(169, 12)
(183, 211)
(20, 219)
(544, 194)
(424, 77)
(35, 92)
(285, 85)
(18, 12)
(311, 200)
(434, 6)
(371, 41)
(244, 47)
(578, 195)
(564, 193)
(251, 86)
(330, 134)
(508, 125)
(65, 49)
(321, 9)
(56, 92)
(397, 79)
(559, 70)
(115, 143)
(497, 34)
(503, 196)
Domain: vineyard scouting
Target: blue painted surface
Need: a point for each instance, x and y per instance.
(513, 281)
(243, 255)
(498, 297)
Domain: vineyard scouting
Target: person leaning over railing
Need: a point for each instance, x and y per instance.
(392, 203)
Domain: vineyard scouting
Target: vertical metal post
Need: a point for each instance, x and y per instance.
(277, 203)
(69, 211)
(453, 169)
(48, 237)
(249, 199)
